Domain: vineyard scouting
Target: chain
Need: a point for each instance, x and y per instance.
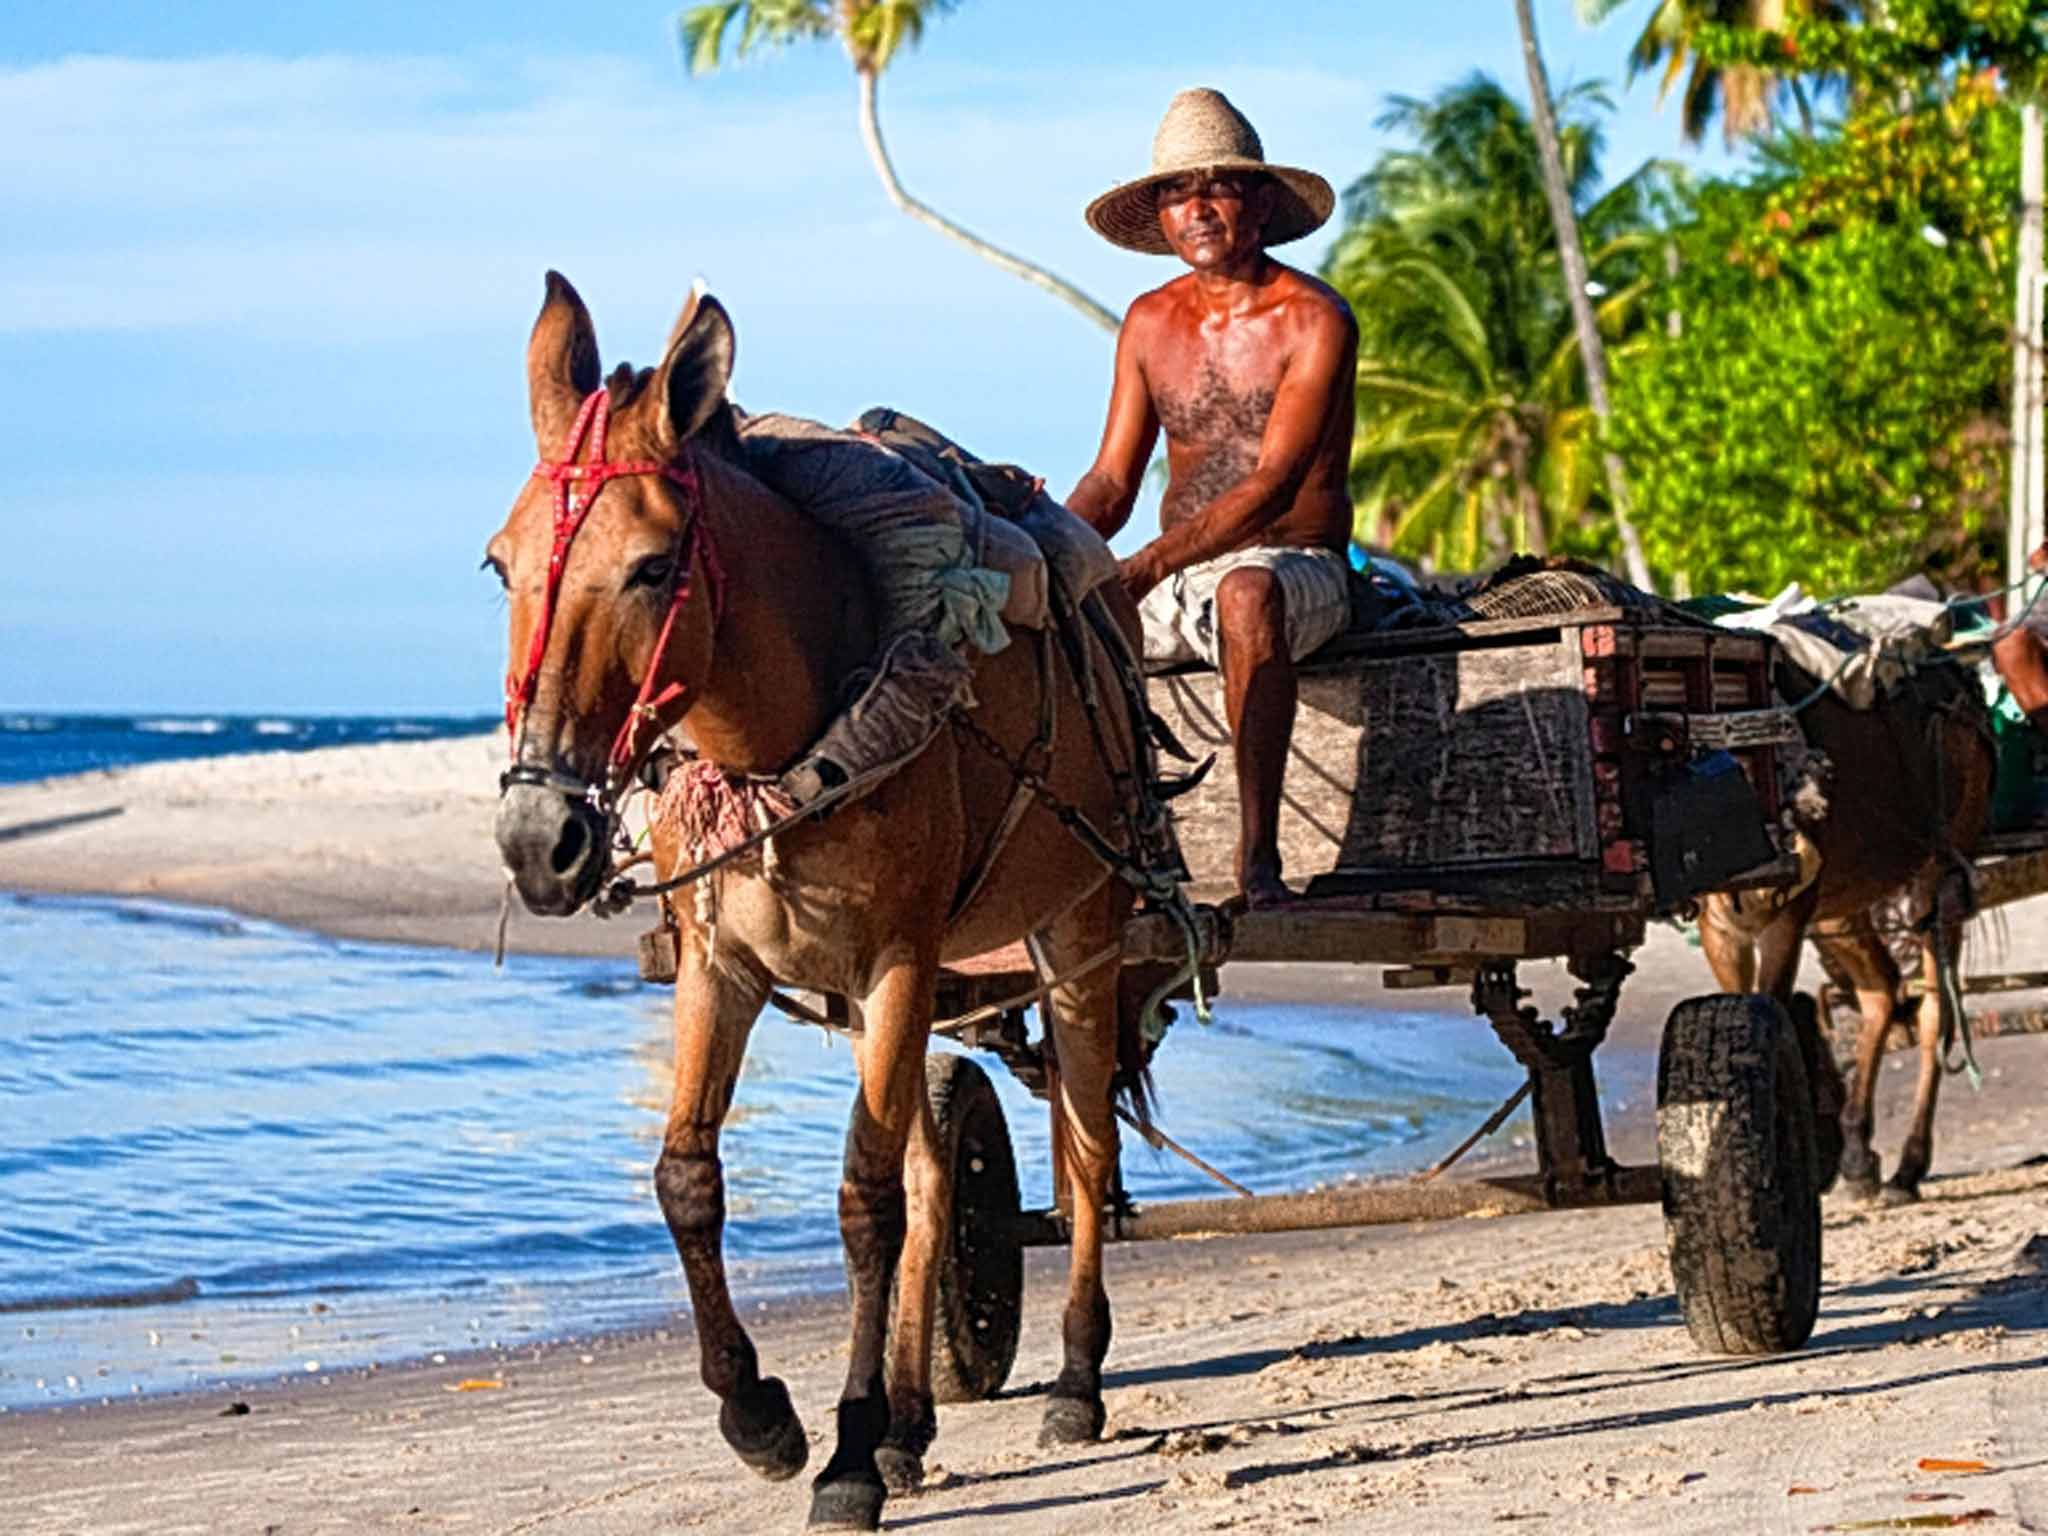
(1146, 882)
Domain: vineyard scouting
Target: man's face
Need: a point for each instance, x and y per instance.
(1215, 219)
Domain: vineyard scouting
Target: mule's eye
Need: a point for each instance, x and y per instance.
(654, 571)
(492, 565)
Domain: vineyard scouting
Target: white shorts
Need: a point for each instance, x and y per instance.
(1315, 592)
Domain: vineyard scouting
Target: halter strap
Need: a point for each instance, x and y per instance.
(571, 511)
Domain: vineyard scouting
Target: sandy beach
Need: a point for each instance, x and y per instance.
(1444, 1377)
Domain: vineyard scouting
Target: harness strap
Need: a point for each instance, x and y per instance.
(1034, 756)
(693, 546)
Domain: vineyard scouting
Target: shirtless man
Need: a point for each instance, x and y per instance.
(2021, 656)
(1249, 367)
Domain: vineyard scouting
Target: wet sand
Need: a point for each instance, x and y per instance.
(1419, 1378)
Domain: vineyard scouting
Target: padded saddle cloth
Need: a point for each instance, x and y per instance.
(1008, 501)
(1862, 647)
(1018, 516)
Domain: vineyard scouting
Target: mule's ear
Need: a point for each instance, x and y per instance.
(697, 369)
(561, 363)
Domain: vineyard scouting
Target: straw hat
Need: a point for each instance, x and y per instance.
(1202, 131)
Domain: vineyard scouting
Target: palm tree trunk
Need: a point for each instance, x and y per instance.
(1573, 256)
(1016, 266)
(2023, 530)
(1535, 537)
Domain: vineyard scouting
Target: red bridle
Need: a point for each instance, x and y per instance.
(693, 544)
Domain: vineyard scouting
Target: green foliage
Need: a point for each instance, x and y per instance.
(872, 30)
(1473, 431)
(1832, 409)
(1746, 90)
(1913, 45)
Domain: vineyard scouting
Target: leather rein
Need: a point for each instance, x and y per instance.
(576, 488)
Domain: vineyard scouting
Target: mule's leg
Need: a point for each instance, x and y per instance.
(1084, 1040)
(928, 1201)
(1936, 1029)
(714, 1015)
(896, 1026)
(1777, 952)
(1855, 949)
(1730, 951)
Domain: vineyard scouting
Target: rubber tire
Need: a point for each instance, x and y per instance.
(980, 1308)
(1735, 1143)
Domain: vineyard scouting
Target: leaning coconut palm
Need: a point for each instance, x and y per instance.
(1745, 97)
(1577, 285)
(1474, 432)
(871, 31)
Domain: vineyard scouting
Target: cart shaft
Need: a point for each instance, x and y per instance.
(1363, 1206)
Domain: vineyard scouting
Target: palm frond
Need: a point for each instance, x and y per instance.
(763, 24)
(703, 34)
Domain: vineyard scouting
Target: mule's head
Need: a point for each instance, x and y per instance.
(589, 622)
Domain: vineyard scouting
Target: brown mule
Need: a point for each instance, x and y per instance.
(1909, 799)
(861, 903)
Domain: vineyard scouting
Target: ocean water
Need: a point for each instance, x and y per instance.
(41, 746)
(229, 1148)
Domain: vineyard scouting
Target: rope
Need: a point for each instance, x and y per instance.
(627, 890)
(1832, 678)
(1493, 1123)
(1878, 647)
(1159, 1141)
(1952, 999)
(1024, 999)
(1984, 600)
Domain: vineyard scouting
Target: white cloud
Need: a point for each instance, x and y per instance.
(348, 198)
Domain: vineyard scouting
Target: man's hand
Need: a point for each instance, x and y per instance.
(2037, 562)
(1141, 573)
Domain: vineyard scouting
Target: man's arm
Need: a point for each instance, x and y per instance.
(1312, 387)
(1105, 495)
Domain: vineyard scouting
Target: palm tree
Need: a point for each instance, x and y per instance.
(1475, 433)
(1744, 96)
(1564, 218)
(871, 31)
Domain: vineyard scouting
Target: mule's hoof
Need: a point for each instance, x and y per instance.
(1860, 1173)
(1896, 1193)
(851, 1504)
(902, 1469)
(1072, 1421)
(765, 1432)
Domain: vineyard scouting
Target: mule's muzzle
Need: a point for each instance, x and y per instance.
(553, 844)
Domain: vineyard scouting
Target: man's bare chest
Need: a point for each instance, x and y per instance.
(1202, 403)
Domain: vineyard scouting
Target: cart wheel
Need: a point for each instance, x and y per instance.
(981, 1283)
(1830, 1093)
(1741, 1190)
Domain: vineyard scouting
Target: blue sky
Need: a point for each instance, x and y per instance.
(269, 270)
